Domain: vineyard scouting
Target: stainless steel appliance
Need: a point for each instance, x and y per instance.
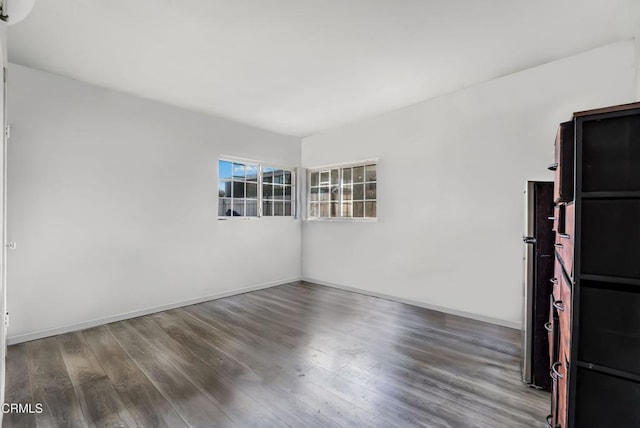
(538, 259)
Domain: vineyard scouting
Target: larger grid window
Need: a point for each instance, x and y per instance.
(347, 192)
(253, 189)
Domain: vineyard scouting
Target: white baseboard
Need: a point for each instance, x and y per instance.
(490, 320)
(26, 337)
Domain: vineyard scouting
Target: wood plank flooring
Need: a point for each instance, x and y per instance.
(297, 355)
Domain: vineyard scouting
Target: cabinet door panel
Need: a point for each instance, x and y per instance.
(563, 391)
(609, 332)
(554, 347)
(564, 315)
(554, 333)
(610, 237)
(570, 220)
(604, 401)
(564, 148)
(564, 242)
(611, 154)
(559, 374)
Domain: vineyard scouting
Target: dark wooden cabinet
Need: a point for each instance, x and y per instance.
(563, 163)
(594, 326)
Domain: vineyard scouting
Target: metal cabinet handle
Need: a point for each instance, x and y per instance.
(558, 305)
(553, 166)
(548, 327)
(564, 235)
(549, 421)
(554, 280)
(551, 218)
(558, 245)
(554, 373)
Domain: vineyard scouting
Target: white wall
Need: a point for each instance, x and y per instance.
(635, 11)
(451, 174)
(113, 205)
(3, 301)
(638, 63)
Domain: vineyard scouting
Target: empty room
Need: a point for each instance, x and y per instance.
(320, 213)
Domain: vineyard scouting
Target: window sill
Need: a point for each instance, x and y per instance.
(240, 218)
(341, 220)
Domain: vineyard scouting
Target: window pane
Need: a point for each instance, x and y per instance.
(224, 189)
(335, 193)
(238, 189)
(315, 178)
(335, 176)
(287, 177)
(314, 210)
(287, 208)
(324, 193)
(251, 172)
(358, 209)
(238, 208)
(287, 193)
(335, 209)
(278, 208)
(347, 209)
(358, 174)
(238, 171)
(224, 169)
(370, 207)
(278, 176)
(224, 207)
(267, 191)
(252, 208)
(267, 208)
(347, 194)
(324, 177)
(267, 175)
(278, 191)
(313, 194)
(371, 190)
(370, 173)
(358, 192)
(252, 190)
(346, 175)
(324, 209)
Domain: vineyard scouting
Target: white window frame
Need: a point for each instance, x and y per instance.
(340, 166)
(260, 167)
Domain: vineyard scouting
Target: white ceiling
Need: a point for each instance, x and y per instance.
(302, 66)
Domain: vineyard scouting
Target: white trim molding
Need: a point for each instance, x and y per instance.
(497, 321)
(26, 337)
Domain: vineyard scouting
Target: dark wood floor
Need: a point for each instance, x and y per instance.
(295, 355)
